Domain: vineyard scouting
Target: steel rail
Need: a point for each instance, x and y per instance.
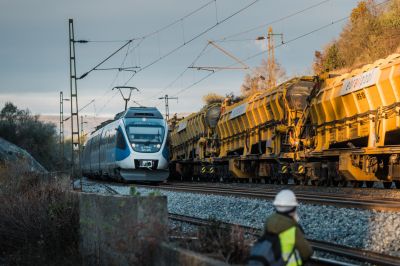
(340, 250)
(266, 188)
(339, 200)
(110, 189)
(104, 184)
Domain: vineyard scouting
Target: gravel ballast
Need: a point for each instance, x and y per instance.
(377, 231)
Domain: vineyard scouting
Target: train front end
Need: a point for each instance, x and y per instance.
(146, 157)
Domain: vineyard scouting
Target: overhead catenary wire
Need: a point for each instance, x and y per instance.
(280, 45)
(105, 41)
(178, 20)
(104, 60)
(192, 39)
(225, 39)
(117, 74)
(144, 37)
(182, 73)
(109, 100)
(141, 39)
(80, 109)
(274, 21)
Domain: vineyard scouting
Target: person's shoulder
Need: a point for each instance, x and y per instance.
(277, 223)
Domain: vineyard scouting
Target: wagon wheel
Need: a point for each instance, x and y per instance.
(369, 184)
(304, 182)
(335, 183)
(328, 182)
(387, 185)
(356, 184)
(284, 180)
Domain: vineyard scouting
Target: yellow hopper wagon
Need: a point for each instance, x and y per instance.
(330, 129)
(357, 125)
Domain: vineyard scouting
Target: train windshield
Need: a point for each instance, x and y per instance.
(145, 135)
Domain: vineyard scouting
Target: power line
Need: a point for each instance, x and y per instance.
(178, 20)
(182, 73)
(141, 39)
(106, 59)
(192, 39)
(109, 100)
(274, 21)
(280, 45)
(105, 41)
(117, 74)
(225, 39)
(309, 33)
(144, 37)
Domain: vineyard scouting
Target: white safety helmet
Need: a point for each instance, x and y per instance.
(285, 201)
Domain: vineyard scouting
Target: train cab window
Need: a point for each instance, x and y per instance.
(145, 134)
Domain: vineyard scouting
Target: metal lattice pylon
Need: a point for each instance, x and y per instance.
(62, 128)
(76, 147)
(166, 98)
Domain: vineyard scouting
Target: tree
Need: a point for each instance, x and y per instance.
(26, 131)
(256, 80)
(372, 32)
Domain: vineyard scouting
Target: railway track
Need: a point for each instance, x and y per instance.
(340, 200)
(348, 252)
(102, 184)
(357, 254)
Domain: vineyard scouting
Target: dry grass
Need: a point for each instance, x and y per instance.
(211, 98)
(223, 242)
(39, 221)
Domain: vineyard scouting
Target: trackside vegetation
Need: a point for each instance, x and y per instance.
(372, 32)
(25, 130)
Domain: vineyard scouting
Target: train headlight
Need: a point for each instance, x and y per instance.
(133, 145)
(158, 146)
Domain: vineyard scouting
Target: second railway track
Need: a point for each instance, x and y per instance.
(340, 200)
(344, 251)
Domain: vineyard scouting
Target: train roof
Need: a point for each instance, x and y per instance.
(132, 112)
(148, 112)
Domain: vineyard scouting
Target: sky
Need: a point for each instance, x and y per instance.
(34, 48)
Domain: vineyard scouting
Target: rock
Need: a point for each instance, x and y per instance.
(14, 157)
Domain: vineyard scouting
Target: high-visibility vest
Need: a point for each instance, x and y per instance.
(289, 253)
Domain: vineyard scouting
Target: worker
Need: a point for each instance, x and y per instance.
(295, 248)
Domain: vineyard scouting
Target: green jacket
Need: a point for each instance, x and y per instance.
(277, 223)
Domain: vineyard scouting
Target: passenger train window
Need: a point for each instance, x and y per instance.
(121, 144)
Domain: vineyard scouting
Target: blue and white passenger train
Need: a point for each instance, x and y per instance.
(133, 147)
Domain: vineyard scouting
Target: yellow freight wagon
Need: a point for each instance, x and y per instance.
(327, 130)
(357, 119)
(194, 142)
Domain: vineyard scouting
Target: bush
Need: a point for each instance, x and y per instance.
(26, 131)
(225, 242)
(213, 98)
(39, 222)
